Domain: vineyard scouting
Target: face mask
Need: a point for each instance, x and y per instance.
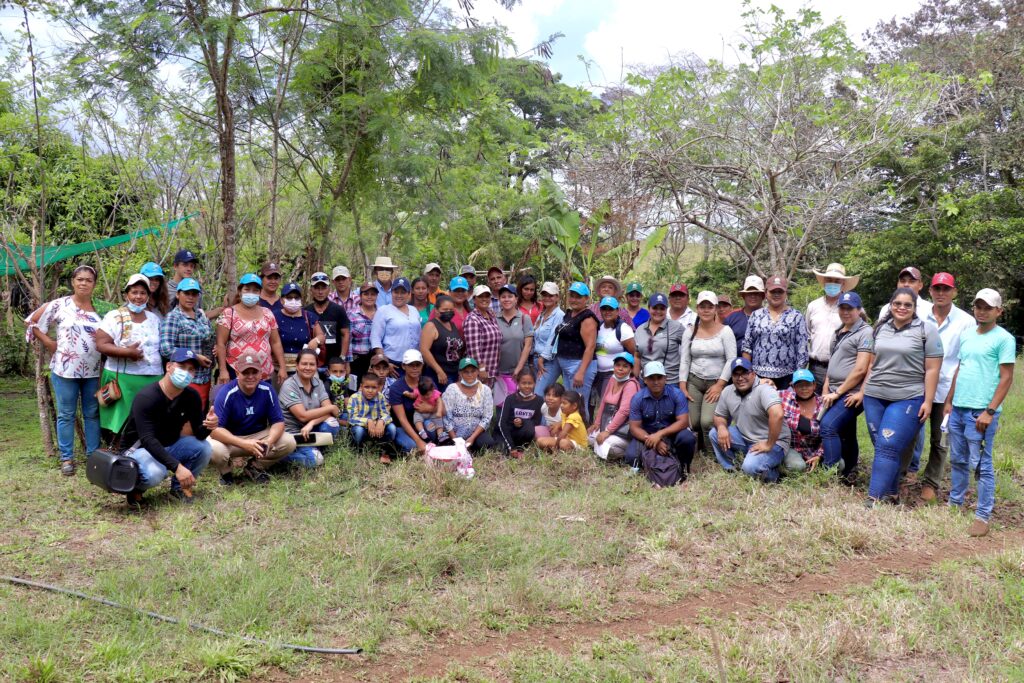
(621, 379)
(469, 384)
(833, 289)
(181, 378)
(337, 379)
(447, 316)
(136, 308)
(524, 395)
(250, 299)
(292, 305)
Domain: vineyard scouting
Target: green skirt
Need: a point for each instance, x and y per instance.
(113, 417)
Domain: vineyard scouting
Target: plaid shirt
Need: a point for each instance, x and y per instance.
(361, 411)
(483, 341)
(807, 445)
(178, 331)
(359, 327)
(350, 304)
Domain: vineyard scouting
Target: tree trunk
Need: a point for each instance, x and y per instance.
(228, 190)
(43, 405)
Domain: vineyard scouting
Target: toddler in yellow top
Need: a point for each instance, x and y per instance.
(571, 433)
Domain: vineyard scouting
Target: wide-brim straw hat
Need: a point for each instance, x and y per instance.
(838, 271)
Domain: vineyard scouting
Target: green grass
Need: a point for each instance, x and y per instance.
(395, 559)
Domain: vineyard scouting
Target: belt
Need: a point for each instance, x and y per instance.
(815, 361)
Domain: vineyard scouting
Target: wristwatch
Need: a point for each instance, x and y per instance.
(990, 411)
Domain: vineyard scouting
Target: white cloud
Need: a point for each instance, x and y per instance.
(521, 21)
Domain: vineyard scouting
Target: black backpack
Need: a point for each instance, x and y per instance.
(662, 470)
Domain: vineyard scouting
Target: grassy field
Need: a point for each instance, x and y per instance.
(397, 560)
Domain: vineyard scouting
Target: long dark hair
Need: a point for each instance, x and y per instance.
(523, 281)
(888, 314)
(158, 299)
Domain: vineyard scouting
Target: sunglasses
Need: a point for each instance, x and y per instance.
(901, 304)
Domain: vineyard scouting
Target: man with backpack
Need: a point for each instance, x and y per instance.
(659, 422)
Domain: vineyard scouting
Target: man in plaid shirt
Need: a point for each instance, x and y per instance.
(482, 334)
(343, 294)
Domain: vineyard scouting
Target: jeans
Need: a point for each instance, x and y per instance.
(936, 467)
(304, 456)
(892, 425)
(794, 462)
(839, 435)
(971, 451)
(191, 452)
(684, 445)
(566, 368)
(764, 466)
(67, 392)
(361, 436)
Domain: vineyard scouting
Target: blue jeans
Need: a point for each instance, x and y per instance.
(915, 459)
(191, 452)
(67, 392)
(839, 435)
(566, 368)
(764, 466)
(303, 456)
(970, 451)
(892, 425)
(360, 436)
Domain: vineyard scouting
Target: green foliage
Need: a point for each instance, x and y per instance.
(14, 355)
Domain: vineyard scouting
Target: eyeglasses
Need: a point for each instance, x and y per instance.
(901, 304)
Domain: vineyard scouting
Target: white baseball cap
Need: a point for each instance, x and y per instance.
(411, 356)
(707, 295)
(431, 266)
(340, 271)
(990, 296)
(481, 289)
(753, 283)
(549, 288)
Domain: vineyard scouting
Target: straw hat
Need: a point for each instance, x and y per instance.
(837, 271)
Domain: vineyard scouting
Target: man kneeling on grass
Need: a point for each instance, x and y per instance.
(659, 419)
(251, 425)
(159, 414)
(758, 432)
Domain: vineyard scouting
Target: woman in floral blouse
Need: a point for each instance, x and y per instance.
(249, 328)
(74, 361)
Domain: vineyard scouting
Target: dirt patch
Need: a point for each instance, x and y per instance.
(563, 638)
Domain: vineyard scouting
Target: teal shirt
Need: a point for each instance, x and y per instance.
(980, 358)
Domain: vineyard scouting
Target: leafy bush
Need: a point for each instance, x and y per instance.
(15, 358)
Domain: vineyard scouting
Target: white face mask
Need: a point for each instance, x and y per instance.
(136, 308)
(291, 305)
(469, 384)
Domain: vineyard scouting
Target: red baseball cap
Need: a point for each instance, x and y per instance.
(678, 288)
(943, 279)
(777, 282)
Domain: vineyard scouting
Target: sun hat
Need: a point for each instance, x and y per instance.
(610, 279)
(838, 271)
(383, 263)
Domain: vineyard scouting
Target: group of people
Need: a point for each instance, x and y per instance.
(397, 364)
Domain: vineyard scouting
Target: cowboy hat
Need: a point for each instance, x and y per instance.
(837, 271)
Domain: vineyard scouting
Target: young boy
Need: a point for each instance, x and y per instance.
(380, 366)
(571, 433)
(337, 387)
(369, 416)
(429, 410)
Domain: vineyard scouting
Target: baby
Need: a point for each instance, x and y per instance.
(429, 409)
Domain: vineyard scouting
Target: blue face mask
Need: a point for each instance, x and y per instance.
(250, 299)
(337, 379)
(136, 308)
(181, 378)
(833, 289)
(469, 384)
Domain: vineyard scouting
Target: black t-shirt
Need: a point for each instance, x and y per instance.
(332, 321)
(156, 421)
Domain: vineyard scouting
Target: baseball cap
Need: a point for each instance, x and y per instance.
(508, 287)
(850, 299)
(707, 295)
(549, 288)
(579, 288)
(777, 282)
(466, 362)
(189, 284)
(803, 375)
(378, 359)
(458, 282)
(250, 279)
(411, 356)
(136, 279)
(740, 362)
(248, 361)
(431, 267)
(467, 270)
(319, 277)
(180, 355)
(625, 355)
(340, 271)
(609, 302)
(678, 288)
(657, 299)
(989, 296)
(943, 279)
(655, 367)
(912, 271)
(367, 286)
(724, 299)
(185, 256)
(480, 290)
(270, 268)
(402, 283)
(291, 288)
(634, 287)
(495, 268)
(753, 284)
(151, 269)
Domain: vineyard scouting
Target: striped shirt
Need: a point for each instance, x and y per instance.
(178, 331)
(349, 304)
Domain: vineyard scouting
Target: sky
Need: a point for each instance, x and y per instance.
(612, 35)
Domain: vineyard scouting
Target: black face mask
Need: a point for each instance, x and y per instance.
(447, 316)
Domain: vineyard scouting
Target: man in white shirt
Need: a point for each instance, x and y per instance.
(823, 318)
(910, 277)
(679, 305)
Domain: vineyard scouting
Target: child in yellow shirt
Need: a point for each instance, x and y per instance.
(571, 433)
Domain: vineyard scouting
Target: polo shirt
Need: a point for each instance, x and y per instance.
(980, 357)
(897, 373)
(242, 415)
(956, 323)
(658, 413)
(844, 350)
(749, 412)
(514, 334)
(292, 393)
(333, 320)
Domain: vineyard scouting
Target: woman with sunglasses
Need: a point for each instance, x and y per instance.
(905, 357)
(659, 339)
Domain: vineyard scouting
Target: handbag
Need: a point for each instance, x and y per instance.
(110, 393)
(112, 471)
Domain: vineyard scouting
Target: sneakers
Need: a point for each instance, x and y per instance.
(67, 468)
(978, 528)
(385, 459)
(258, 476)
(182, 497)
(227, 479)
(928, 495)
(318, 457)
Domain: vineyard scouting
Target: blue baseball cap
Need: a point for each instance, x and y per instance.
(402, 283)
(740, 362)
(609, 302)
(151, 269)
(579, 288)
(625, 355)
(458, 282)
(180, 355)
(189, 284)
(657, 299)
(850, 299)
(250, 279)
(508, 288)
(291, 288)
(803, 375)
(185, 256)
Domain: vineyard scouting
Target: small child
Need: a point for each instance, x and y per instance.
(429, 409)
(337, 387)
(381, 366)
(369, 415)
(571, 433)
(551, 411)
(520, 416)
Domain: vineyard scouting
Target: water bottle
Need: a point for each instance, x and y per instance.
(944, 428)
